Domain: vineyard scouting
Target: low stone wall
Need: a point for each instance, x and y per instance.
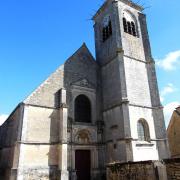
(123, 171)
(41, 174)
(173, 168)
(146, 170)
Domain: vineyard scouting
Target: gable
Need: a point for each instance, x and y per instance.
(80, 66)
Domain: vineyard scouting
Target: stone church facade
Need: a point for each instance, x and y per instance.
(89, 112)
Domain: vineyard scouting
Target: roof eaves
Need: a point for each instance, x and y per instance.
(128, 2)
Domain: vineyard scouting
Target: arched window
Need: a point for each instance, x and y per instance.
(143, 130)
(82, 109)
(129, 24)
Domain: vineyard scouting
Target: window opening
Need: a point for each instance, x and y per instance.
(143, 131)
(129, 27)
(107, 31)
(125, 25)
(82, 109)
(133, 28)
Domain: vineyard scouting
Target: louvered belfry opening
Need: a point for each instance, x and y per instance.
(107, 31)
(129, 27)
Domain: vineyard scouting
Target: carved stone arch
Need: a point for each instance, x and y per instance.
(130, 17)
(83, 137)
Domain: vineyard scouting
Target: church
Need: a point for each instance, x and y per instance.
(91, 112)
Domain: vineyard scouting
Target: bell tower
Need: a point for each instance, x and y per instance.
(132, 112)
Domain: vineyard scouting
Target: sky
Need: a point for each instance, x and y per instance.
(36, 36)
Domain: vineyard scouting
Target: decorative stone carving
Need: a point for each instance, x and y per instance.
(83, 137)
(83, 83)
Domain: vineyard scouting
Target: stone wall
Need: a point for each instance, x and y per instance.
(41, 125)
(46, 94)
(147, 170)
(173, 168)
(142, 170)
(9, 130)
(9, 134)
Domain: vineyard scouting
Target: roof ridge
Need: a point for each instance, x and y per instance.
(79, 50)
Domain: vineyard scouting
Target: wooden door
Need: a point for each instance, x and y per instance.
(83, 164)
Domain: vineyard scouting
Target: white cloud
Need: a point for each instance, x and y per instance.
(167, 90)
(168, 111)
(170, 62)
(3, 118)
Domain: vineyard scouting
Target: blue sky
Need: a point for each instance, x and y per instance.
(36, 36)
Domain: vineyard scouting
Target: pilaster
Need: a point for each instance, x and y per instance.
(63, 149)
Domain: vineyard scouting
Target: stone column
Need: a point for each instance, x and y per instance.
(63, 137)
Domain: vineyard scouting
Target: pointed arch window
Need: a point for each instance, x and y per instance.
(143, 130)
(82, 109)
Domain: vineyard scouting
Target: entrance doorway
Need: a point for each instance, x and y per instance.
(83, 164)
